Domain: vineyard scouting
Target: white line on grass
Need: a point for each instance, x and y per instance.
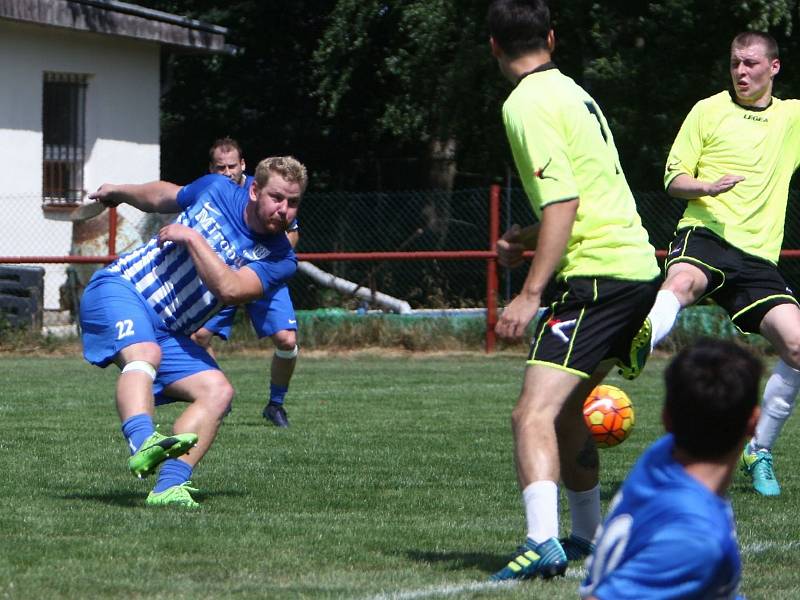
(441, 590)
(574, 572)
(438, 591)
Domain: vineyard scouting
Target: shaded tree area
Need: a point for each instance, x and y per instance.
(403, 94)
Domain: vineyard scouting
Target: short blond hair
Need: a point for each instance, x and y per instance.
(288, 167)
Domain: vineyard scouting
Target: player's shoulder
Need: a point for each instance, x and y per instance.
(542, 96)
(719, 101)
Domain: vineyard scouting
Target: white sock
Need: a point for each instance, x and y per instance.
(662, 316)
(777, 405)
(584, 510)
(541, 510)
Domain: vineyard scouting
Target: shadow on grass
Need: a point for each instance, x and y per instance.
(114, 498)
(136, 499)
(488, 563)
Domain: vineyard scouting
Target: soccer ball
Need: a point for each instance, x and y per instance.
(608, 414)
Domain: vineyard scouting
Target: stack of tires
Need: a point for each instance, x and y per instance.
(21, 297)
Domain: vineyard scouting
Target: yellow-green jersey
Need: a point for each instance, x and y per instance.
(718, 138)
(563, 149)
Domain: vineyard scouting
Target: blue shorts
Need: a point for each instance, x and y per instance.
(114, 315)
(269, 315)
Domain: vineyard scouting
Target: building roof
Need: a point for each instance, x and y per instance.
(120, 19)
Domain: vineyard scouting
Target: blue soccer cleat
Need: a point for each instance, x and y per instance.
(576, 548)
(276, 413)
(758, 464)
(533, 560)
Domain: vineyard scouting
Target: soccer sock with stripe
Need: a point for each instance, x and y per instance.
(173, 472)
(137, 429)
(277, 393)
(541, 510)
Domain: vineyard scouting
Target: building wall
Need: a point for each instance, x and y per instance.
(122, 129)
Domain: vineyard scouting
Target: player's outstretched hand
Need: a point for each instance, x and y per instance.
(723, 184)
(175, 232)
(517, 316)
(510, 248)
(108, 194)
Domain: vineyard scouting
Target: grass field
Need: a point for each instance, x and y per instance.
(394, 481)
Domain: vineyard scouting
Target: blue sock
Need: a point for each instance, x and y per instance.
(277, 393)
(137, 429)
(173, 472)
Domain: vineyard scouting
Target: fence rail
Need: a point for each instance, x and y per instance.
(433, 249)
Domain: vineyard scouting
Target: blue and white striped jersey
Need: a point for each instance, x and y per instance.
(166, 277)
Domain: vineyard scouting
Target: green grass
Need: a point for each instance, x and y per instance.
(395, 481)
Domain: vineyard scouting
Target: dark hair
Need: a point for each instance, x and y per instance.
(712, 388)
(227, 144)
(519, 26)
(748, 38)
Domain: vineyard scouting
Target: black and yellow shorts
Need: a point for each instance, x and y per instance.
(744, 285)
(591, 319)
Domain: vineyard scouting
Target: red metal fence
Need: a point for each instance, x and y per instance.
(425, 247)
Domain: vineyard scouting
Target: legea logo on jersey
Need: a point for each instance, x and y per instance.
(256, 252)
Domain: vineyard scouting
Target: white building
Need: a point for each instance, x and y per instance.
(79, 106)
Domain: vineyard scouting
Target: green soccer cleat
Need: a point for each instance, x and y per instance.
(533, 560)
(758, 464)
(640, 352)
(158, 448)
(177, 495)
(576, 548)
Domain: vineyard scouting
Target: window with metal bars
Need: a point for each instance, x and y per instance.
(63, 133)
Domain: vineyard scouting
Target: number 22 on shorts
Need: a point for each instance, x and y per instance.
(124, 328)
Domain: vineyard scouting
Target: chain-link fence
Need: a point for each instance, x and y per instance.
(340, 222)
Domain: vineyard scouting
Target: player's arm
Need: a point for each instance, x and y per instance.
(152, 197)
(688, 188)
(554, 232)
(294, 237)
(514, 242)
(227, 285)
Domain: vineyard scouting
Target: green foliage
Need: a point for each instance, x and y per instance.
(361, 90)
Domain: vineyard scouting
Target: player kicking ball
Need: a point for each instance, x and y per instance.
(733, 160)
(228, 246)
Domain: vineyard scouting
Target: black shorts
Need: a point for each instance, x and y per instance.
(744, 285)
(590, 320)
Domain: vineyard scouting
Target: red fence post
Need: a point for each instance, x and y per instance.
(491, 267)
(112, 230)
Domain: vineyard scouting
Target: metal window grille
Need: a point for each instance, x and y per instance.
(63, 133)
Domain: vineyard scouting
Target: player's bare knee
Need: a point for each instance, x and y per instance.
(215, 396)
(285, 340)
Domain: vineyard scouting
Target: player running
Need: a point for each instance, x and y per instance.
(591, 238)
(272, 316)
(733, 159)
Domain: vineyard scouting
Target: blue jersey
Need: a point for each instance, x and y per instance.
(268, 315)
(666, 536)
(167, 278)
